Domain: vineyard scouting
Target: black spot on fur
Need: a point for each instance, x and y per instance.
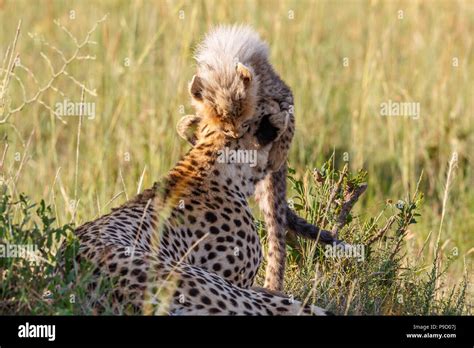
(206, 300)
(210, 217)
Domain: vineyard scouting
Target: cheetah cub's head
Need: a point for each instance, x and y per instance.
(192, 128)
(227, 98)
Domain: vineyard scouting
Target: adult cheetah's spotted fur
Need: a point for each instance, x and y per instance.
(189, 245)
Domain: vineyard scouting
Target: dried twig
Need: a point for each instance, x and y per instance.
(334, 192)
(5, 110)
(349, 200)
(382, 231)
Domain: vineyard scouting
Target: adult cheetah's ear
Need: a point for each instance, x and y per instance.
(244, 73)
(186, 128)
(195, 87)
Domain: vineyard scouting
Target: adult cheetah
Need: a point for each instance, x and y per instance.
(189, 245)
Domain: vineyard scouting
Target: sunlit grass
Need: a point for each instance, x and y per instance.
(143, 61)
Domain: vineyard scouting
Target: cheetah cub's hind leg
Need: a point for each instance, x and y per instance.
(162, 286)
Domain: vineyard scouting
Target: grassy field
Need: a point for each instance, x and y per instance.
(342, 59)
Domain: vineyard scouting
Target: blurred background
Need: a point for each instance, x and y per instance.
(342, 59)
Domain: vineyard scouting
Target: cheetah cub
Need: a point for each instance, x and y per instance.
(234, 87)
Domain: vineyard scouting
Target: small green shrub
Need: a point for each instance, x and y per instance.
(47, 280)
(381, 281)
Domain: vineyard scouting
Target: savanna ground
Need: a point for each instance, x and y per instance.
(342, 59)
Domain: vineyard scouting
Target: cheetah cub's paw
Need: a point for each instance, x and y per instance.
(268, 107)
(186, 128)
(281, 121)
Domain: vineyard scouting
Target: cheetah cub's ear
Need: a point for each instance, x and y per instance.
(244, 73)
(186, 128)
(196, 88)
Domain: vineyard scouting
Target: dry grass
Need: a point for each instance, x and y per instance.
(143, 61)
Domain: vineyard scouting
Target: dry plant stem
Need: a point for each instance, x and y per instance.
(351, 199)
(334, 191)
(382, 231)
(397, 248)
(78, 142)
(11, 61)
(453, 162)
(54, 75)
(2, 161)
